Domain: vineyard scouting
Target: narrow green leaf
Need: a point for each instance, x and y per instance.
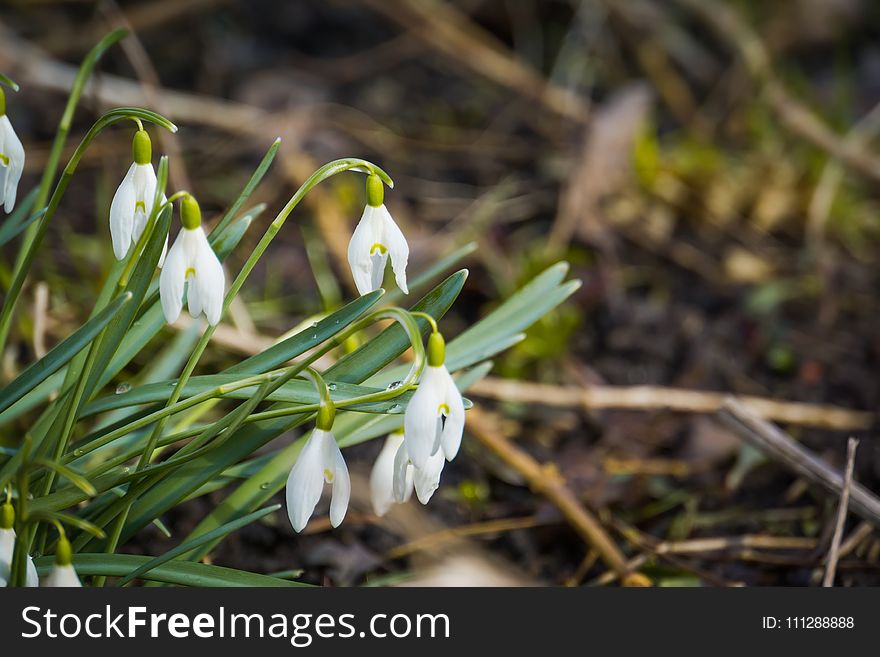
(245, 194)
(60, 354)
(183, 573)
(186, 546)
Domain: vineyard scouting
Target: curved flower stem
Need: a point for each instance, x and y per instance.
(428, 318)
(22, 266)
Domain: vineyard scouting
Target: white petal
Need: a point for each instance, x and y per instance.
(305, 482)
(62, 576)
(377, 269)
(13, 149)
(341, 485)
(382, 475)
(193, 299)
(427, 479)
(172, 279)
(420, 422)
(402, 484)
(366, 233)
(7, 547)
(144, 184)
(453, 427)
(122, 215)
(398, 249)
(210, 281)
(32, 580)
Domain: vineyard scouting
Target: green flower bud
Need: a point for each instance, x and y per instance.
(63, 553)
(190, 214)
(7, 516)
(141, 148)
(375, 191)
(436, 350)
(326, 415)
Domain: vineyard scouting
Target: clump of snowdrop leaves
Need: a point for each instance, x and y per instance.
(63, 573)
(168, 441)
(11, 158)
(376, 239)
(133, 201)
(192, 261)
(7, 548)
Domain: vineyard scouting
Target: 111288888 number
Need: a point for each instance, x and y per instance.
(819, 622)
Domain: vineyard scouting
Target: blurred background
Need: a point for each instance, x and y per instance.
(706, 167)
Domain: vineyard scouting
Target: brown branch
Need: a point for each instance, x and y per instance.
(834, 552)
(652, 398)
(546, 481)
(781, 448)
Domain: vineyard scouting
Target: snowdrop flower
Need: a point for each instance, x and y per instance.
(382, 477)
(133, 201)
(63, 573)
(375, 239)
(191, 260)
(11, 159)
(425, 480)
(319, 461)
(7, 547)
(434, 418)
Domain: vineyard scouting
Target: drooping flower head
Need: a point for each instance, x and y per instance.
(434, 418)
(192, 260)
(133, 201)
(319, 462)
(63, 573)
(11, 159)
(7, 548)
(376, 239)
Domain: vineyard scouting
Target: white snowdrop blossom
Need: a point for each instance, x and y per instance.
(434, 418)
(376, 239)
(63, 573)
(133, 201)
(425, 480)
(382, 477)
(192, 260)
(62, 576)
(319, 461)
(11, 159)
(7, 548)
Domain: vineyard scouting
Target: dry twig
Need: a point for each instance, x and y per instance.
(834, 552)
(652, 398)
(547, 481)
(782, 448)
